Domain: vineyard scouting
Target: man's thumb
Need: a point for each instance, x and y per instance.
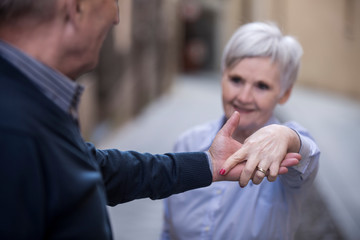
(231, 124)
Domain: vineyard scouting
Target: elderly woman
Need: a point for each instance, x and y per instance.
(259, 68)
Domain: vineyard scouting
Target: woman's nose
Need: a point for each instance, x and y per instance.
(246, 94)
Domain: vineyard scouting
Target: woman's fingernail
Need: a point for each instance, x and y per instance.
(222, 172)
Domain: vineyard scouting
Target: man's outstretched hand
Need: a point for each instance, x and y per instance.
(223, 147)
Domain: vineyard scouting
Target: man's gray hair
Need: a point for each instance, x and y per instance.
(11, 9)
(259, 39)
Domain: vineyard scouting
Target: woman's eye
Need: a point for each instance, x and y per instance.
(236, 79)
(263, 86)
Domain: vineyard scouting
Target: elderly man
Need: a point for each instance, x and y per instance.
(53, 184)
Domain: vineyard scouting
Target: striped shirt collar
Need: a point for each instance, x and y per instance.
(64, 92)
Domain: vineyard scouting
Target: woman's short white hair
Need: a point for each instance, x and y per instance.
(259, 39)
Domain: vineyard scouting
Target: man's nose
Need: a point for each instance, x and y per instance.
(117, 15)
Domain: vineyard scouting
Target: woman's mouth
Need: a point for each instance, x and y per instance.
(243, 110)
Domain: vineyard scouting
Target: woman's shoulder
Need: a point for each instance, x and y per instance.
(200, 136)
(207, 128)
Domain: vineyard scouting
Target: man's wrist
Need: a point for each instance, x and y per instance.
(209, 161)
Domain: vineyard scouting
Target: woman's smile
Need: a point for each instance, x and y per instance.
(243, 110)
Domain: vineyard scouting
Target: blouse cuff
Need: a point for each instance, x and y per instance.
(304, 152)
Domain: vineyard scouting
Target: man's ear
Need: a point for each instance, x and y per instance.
(72, 11)
(286, 96)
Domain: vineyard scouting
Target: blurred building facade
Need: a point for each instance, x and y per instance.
(329, 31)
(156, 39)
(137, 63)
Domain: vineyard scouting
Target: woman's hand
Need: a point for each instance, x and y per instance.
(264, 151)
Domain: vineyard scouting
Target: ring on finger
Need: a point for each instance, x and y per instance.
(261, 170)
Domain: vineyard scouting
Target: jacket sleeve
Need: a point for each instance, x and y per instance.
(130, 175)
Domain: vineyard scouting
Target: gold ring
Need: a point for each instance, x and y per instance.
(261, 170)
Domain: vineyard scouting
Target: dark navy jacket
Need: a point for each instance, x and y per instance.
(53, 185)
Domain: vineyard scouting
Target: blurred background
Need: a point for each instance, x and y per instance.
(158, 75)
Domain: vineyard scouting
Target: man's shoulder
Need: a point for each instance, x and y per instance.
(22, 105)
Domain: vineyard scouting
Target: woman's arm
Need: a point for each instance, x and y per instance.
(265, 150)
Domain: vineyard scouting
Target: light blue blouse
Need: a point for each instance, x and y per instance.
(225, 211)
